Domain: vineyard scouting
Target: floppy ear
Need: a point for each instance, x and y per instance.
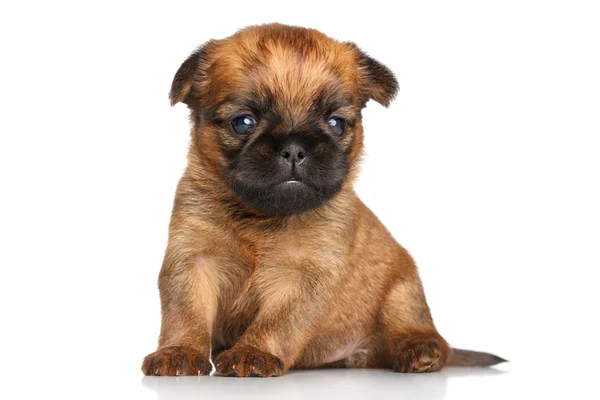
(382, 85)
(187, 72)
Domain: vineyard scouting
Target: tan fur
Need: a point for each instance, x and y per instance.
(270, 293)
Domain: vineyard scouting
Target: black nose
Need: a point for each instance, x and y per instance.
(293, 154)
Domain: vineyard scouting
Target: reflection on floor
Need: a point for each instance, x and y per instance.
(314, 384)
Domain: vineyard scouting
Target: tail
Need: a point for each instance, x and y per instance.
(468, 358)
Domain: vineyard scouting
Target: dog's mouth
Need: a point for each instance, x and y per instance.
(292, 183)
(292, 180)
(290, 195)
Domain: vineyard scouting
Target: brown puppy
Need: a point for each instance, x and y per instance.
(273, 262)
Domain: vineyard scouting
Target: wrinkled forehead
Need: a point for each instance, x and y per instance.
(289, 78)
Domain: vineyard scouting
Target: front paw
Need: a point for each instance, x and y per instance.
(419, 355)
(176, 360)
(246, 361)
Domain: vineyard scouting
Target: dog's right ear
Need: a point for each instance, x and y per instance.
(191, 69)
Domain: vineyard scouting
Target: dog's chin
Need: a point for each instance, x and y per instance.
(284, 198)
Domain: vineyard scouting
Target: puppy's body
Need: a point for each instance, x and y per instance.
(273, 262)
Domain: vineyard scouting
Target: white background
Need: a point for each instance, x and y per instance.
(486, 168)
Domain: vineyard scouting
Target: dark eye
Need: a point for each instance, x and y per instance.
(243, 125)
(337, 125)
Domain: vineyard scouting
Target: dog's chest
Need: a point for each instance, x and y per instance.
(279, 267)
(276, 269)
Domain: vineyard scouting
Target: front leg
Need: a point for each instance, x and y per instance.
(291, 302)
(189, 304)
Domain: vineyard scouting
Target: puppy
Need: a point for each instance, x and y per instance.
(273, 262)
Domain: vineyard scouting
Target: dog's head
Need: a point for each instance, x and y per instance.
(277, 113)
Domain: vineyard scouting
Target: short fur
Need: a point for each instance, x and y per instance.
(268, 277)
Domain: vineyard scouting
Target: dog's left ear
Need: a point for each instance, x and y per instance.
(192, 68)
(382, 85)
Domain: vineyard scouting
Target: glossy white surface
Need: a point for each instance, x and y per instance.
(506, 382)
(329, 384)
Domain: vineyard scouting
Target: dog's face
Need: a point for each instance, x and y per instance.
(277, 113)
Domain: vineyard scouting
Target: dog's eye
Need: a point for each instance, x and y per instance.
(243, 125)
(337, 125)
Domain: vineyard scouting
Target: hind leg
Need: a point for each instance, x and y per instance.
(412, 343)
